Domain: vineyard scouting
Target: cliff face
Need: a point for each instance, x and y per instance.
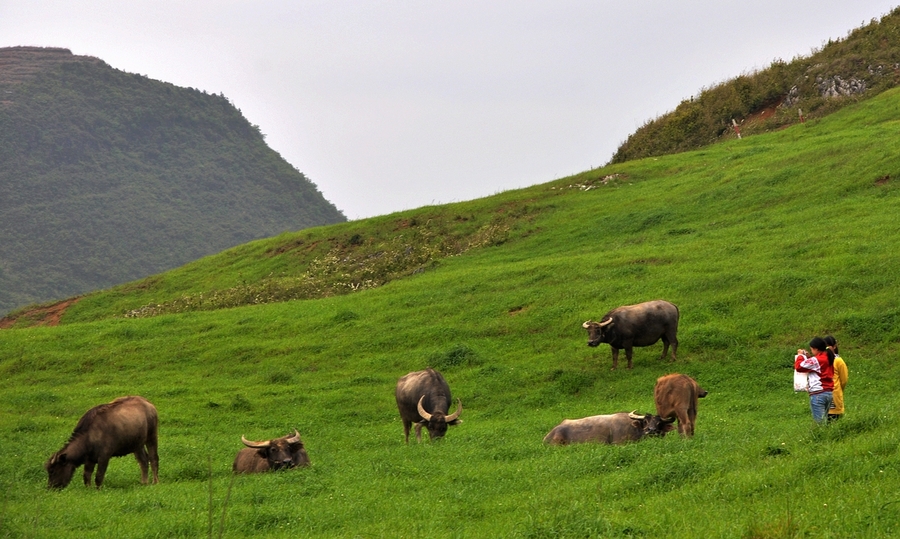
(108, 177)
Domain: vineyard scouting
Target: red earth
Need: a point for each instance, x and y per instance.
(43, 315)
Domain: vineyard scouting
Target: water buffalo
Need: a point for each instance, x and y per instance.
(280, 453)
(608, 429)
(421, 391)
(636, 325)
(125, 425)
(676, 396)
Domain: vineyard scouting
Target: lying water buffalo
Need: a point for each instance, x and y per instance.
(421, 391)
(636, 325)
(608, 429)
(125, 425)
(676, 397)
(280, 453)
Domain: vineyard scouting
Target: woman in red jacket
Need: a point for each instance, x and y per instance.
(819, 364)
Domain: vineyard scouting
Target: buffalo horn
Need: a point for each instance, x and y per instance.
(587, 324)
(256, 445)
(295, 439)
(456, 413)
(606, 322)
(425, 415)
(633, 415)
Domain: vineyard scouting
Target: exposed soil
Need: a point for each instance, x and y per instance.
(42, 315)
(764, 113)
(19, 64)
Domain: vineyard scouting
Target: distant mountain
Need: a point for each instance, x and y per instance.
(108, 176)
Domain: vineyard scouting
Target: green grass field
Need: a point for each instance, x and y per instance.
(763, 243)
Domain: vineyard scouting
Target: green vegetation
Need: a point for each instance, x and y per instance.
(762, 242)
(110, 176)
(861, 66)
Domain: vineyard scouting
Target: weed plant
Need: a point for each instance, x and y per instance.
(762, 243)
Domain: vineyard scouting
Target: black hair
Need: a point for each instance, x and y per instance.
(830, 341)
(820, 344)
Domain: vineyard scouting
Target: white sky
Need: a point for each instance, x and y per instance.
(392, 105)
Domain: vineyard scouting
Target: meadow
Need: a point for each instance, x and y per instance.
(763, 243)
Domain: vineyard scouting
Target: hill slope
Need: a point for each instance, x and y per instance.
(842, 72)
(762, 243)
(109, 176)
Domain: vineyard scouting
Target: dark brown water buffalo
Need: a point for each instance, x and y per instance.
(676, 397)
(636, 325)
(423, 398)
(608, 429)
(280, 453)
(125, 425)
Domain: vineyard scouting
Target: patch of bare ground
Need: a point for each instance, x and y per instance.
(41, 315)
(19, 64)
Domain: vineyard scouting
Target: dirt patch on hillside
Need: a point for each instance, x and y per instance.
(42, 315)
(19, 64)
(764, 113)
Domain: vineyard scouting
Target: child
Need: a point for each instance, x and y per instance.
(841, 374)
(818, 365)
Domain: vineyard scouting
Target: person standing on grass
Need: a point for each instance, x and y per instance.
(818, 364)
(841, 374)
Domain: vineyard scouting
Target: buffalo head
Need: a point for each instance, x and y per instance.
(652, 425)
(284, 452)
(597, 331)
(437, 422)
(60, 470)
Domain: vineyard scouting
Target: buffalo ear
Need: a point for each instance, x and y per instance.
(668, 427)
(455, 422)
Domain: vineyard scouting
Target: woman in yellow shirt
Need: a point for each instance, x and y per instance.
(841, 373)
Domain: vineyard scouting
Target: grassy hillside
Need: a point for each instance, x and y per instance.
(109, 176)
(842, 72)
(762, 243)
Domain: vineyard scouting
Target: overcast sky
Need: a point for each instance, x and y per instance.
(392, 105)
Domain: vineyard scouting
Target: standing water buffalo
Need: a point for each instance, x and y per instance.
(280, 453)
(676, 396)
(608, 429)
(125, 425)
(421, 391)
(636, 325)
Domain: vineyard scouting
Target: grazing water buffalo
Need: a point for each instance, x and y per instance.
(423, 398)
(125, 425)
(676, 396)
(608, 429)
(280, 453)
(636, 325)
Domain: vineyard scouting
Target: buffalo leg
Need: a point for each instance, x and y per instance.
(665, 348)
(154, 462)
(615, 354)
(628, 352)
(101, 471)
(685, 425)
(406, 425)
(418, 432)
(88, 470)
(143, 461)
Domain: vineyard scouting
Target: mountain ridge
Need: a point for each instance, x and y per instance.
(110, 176)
